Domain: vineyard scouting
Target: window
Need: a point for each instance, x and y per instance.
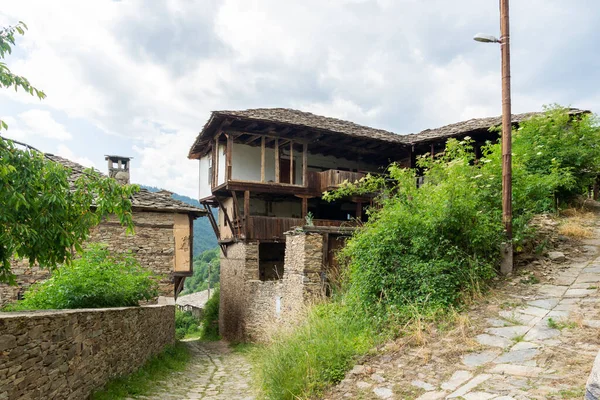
(270, 261)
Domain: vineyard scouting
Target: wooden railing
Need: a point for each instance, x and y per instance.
(269, 228)
(332, 178)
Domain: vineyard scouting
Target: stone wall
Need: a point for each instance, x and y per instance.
(249, 306)
(67, 354)
(153, 245)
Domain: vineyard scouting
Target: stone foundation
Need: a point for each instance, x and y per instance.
(249, 306)
(153, 245)
(67, 354)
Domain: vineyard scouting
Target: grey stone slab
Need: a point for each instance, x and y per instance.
(588, 278)
(509, 332)
(547, 304)
(564, 280)
(541, 332)
(513, 316)
(383, 392)
(583, 286)
(472, 384)
(524, 345)
(478, 359)
(517, 356)
(592, 269)
(561, 314)
(457, 379)
(495, 322)
(535, 311)
(592, 323)
(579, 292)
(493, 341)
(479, 396)
(556, 256)
(553, 290)
(517, 370)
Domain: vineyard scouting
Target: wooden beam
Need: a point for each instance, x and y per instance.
(254, 137)
(291, 162)
(215, 178)
(225, 214)
(359, 211)
(304, 207)
(304, 163)
(432, 151)
(229, 151)
(246, 211)
(276, 160)
(262, 159)
(268, 134)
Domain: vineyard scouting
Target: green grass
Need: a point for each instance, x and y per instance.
(560, 325)
(574, 393)
(302, 363)
(144, 380)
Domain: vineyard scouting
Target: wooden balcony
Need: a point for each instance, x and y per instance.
(272, 228)
(333, 178)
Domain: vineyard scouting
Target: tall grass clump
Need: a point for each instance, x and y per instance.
(301, 363)
(426, 250)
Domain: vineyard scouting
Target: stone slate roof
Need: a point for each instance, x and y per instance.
(286, 116)
(142, 200)
(472, 125)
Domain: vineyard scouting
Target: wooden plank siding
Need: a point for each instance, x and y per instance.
(272, 228)
(332, 178)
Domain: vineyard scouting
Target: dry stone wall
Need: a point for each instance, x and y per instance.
(153, 245)
(67, 354)
(249, 306)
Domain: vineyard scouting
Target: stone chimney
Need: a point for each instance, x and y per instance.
(118, 168)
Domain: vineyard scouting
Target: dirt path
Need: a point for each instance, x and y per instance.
(534, 338)
(215, 372)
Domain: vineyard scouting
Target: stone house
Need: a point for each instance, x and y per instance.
(266, 170)
(163, 239)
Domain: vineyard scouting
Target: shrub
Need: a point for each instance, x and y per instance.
(97, 279)
(185, 324)
(210, 319)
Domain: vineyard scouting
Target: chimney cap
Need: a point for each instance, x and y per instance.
(115, 157)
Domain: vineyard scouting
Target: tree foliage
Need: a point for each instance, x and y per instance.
(97, 279)
(46, 216)
(205, 264)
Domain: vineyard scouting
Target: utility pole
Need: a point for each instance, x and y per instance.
(506, 267)
(507, 257)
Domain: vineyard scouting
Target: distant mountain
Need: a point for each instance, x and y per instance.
(204, 236)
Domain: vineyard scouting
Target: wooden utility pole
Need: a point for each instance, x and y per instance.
(507, 256)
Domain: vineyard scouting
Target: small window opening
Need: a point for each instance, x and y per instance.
(270, 261)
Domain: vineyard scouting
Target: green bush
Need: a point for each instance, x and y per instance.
(185, 324)
(210, 319)
(206, 265)
(97, 279)
(302, 363)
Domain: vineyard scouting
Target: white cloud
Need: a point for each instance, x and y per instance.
(41, 123)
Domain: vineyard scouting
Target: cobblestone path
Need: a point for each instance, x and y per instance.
(214, 373)
(532, 340)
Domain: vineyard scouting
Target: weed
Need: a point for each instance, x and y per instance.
(573, 393)
(560, 325)
(144, 380)
(530, 280)
(575, 229)
(518, 339)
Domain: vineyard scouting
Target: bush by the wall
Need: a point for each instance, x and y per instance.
(210, 318)
(98, 279)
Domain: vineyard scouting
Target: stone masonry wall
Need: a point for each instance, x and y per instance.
(67, 354)
(248, 305)
(153, 245)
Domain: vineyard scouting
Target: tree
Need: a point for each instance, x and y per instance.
(45, 213)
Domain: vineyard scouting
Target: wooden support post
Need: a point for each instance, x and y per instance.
(432, 152)
(216, 162)
(246, 211)
(276, 160)
(304, 207)
(413, 158)
(262, 159)
(225, 214)
(359, 211)
(228, 157)
(304, 164)
(291, 162)
(236, 212)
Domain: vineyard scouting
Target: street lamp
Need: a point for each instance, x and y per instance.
(507, 252)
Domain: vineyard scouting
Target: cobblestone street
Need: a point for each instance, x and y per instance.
(215, 372)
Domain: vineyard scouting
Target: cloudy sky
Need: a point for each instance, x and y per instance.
(139, 78)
